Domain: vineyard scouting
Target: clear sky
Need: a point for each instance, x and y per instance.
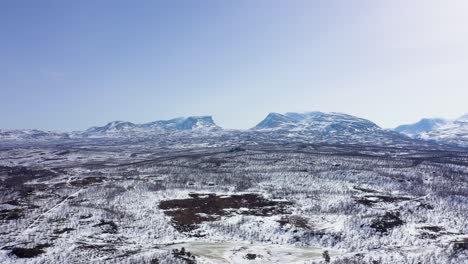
(69, 65)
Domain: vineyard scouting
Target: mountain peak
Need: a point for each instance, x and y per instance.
(119, 124)
(274, 120)
(196, 122)
(110, 128)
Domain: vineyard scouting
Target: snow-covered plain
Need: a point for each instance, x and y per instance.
(99, 201)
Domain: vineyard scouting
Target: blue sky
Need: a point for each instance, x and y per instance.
(69, 65)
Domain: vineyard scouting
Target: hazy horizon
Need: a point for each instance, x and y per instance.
(72, 65)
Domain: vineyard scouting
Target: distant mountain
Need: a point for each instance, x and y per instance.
(439, 130)
(31, 135)
(128, 129)
(326, 127)
(317, 121)
(115, 126)
(184, 123)
(423, 126)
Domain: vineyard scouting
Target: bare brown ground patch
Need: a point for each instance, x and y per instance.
(188, 213)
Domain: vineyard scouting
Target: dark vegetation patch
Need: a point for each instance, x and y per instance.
(370, 200)
(432, 228)
(252, 256)
(107, 227)
(461, 245)
(13, 202)
(86, 181)
(295, 221)
(77, 202)
(186, 214)
(87, 216)
(425, 206)
(236, 149)
(184, 255)
(25, 172)
(20, 252)
(432, 232)
(212, 162)
(28, 190)
(427, 235)
(16, 176)
(386, 222)
(11, 214)
(65, 230)
(52, 159)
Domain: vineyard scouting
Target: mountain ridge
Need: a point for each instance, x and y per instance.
(122, 128)
(315, 119)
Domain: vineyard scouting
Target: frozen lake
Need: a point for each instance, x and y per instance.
(237, 252)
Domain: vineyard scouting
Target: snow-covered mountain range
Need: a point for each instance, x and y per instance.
(308, 126)
(128, 129)
(439, 130)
